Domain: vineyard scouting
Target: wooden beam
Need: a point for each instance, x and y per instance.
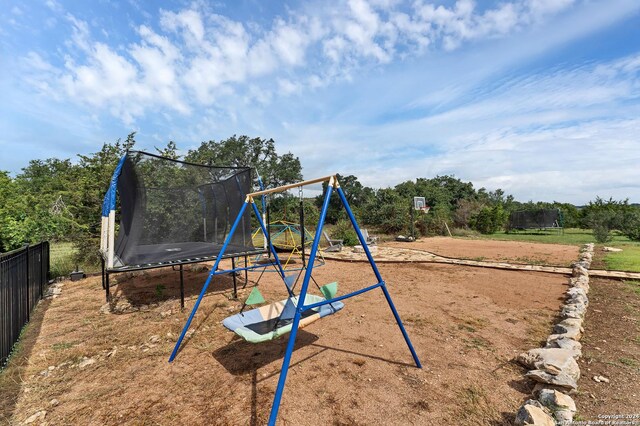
(291, 186)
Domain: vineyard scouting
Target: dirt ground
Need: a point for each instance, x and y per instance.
(498, 251)
(351, 368)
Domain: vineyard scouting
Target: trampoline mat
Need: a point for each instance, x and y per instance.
(181, 252)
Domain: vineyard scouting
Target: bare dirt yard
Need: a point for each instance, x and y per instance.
(91, 366)
(497, 251)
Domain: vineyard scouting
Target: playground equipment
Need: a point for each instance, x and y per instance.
(173, 213)
(540, 219)
(294, 308)
(289, 238)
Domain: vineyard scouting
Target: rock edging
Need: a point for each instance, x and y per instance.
(554, 367)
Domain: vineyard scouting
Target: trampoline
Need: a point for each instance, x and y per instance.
(540, 219)
(172, 213)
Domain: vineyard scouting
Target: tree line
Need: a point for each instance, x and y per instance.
(60, 199)
(465, 209)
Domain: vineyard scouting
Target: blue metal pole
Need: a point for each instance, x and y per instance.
(206, 284)
(339, 298)
(296, 318)
(375, 271)
(241, 268)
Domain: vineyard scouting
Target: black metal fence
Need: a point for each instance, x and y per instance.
(23, 276)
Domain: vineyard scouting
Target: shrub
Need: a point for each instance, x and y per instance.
(344, 231)
(631, 226)
(62, 266)
(602, 221)
(462, 232)
(433, 223)
(489, 219)
(87, 252)
(465, 210)
(601, 232)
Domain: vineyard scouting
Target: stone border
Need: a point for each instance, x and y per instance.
(554, 367)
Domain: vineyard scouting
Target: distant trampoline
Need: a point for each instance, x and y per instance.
(172, 213)
(540, 219)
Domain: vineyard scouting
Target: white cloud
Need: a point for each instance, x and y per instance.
(393, 85)
(566, 134)
(53, 5)
(197, 57)
(538, 9)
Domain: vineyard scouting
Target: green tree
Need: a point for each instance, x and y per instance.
(466, 209)
(170, 151)
(287, 208)
(603, 216)
(357, 195)
(242, 151)
(6, 217)
(94, 177)
(631, 225)
(35, 203)
(489, 219)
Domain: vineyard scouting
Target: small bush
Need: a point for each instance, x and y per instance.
(601, 233)
(87, 251)
(489, 220)
(395, 218)
(62, 266)
(433, 223)
(344, 231)
(62, 260)
(601, 221)
(462, 232)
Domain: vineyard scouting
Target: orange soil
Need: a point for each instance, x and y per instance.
(499, 251)
(466, 324)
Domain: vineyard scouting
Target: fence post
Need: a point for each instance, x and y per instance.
(41, 268)
(27, 289)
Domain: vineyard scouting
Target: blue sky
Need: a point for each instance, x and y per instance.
(538, 97)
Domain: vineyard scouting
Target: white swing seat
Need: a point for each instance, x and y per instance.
(265, 323)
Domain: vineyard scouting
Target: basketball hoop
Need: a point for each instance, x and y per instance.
(425, 209)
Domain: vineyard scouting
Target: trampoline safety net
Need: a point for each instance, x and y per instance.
(536, 219)
(172, 211)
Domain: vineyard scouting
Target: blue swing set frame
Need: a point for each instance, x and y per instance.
(301, 308)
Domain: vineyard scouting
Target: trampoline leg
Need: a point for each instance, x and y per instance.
(106, 288)
(102, 263)
(181, 289)
(246, 271)
(235, 281)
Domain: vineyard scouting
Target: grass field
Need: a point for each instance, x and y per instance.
(626, 260)
(572, 236)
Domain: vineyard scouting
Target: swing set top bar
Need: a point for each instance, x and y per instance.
(333, 181)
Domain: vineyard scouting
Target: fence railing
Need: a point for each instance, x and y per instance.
(23, 276)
